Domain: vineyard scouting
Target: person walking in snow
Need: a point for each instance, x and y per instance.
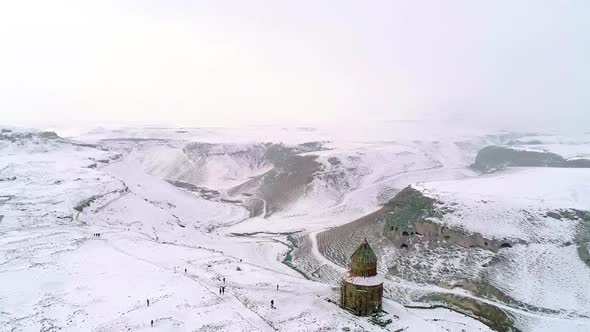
(277, 286)
(152, 322)
(148, 302)
(219, 290)
(272, 304)
(224, 280)
(223, 290)
(185, 271)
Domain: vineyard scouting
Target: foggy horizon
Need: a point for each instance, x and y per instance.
(226, 63)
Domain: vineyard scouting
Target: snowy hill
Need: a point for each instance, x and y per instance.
(544, 268)
(246, 205)
(540, 217)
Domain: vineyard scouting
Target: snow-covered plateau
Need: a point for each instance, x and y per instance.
(194, 229)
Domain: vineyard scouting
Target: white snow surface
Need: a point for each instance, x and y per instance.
(512, 205)
(364, 281)
(59, 275)
(499, 205)
(569, 147)
(217, 169)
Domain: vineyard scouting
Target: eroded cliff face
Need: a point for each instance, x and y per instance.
(263, 177)
(409, 221)
(433, 234)
(282, 185)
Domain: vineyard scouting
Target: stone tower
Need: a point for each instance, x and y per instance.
(361, 290)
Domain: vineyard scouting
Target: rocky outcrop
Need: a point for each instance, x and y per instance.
(493, 158)
(434, 234)
(408, 223)
(9, 135)
(48, 134)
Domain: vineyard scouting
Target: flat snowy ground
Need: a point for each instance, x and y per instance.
(57, 275)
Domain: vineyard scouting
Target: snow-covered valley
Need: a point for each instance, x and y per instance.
(93, 227)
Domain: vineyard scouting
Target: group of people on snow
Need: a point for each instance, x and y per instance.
(221, 288)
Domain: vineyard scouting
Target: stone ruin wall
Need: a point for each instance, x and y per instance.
(361, 300)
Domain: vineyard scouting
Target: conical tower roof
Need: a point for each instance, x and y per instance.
(364, 254)
(364, 261)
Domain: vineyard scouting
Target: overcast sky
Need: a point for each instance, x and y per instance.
(218, 63)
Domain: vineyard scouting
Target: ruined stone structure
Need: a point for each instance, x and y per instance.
(361, 291)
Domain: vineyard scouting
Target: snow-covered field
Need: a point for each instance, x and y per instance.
(56, 194)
